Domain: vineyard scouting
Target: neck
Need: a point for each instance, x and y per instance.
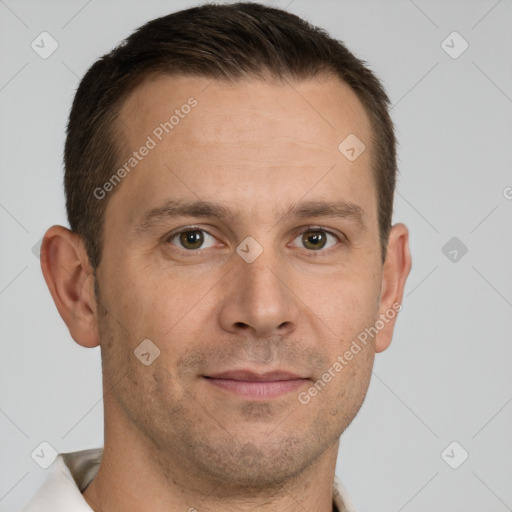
(134, 476)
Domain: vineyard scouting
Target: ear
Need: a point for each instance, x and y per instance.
(397, 266)
(70, 279)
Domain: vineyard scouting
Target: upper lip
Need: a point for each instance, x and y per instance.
(249, 375)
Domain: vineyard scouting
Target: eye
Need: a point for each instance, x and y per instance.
(317, 238)
(191, 238)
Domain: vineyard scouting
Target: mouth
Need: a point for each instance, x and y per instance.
(257, 386)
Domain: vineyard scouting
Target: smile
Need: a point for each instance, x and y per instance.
(255, 386)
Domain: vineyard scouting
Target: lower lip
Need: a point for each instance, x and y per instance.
(258, 390)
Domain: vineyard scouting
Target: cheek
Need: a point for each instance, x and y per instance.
(353, 384)
(349, 309)
(124, 364)
(163, 311)
(350, 305)
(144, 303)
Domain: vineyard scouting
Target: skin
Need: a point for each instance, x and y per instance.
(174, 441)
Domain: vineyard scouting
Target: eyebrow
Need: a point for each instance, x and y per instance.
(341, 209)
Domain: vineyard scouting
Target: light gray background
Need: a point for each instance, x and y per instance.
(447, 375)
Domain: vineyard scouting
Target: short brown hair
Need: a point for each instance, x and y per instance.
(224, 42)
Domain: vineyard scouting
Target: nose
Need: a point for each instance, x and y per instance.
(259, 300)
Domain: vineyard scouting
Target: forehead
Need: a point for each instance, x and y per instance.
(319, 111)
(263, 140)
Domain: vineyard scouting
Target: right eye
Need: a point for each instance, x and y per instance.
(191, 238)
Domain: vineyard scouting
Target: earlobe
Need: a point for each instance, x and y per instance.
(69, 278)
(395, 271)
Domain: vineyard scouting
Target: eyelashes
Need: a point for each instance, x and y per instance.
(186, 231)
(193, 239)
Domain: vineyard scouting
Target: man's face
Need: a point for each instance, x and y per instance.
(256, 149)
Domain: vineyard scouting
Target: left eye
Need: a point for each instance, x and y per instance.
(316, 239)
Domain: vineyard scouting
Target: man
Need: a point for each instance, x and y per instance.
(229, 176)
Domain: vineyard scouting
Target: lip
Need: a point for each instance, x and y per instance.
(257, 386)
(249, 375)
